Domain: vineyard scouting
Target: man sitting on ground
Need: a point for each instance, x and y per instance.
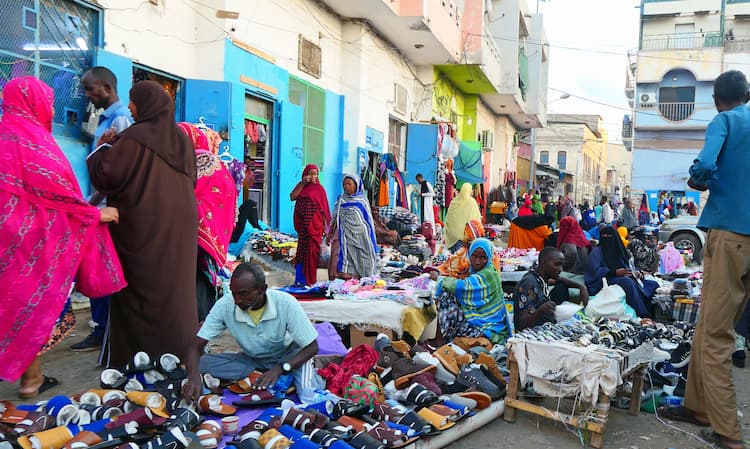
(269, 325)
(540, 290)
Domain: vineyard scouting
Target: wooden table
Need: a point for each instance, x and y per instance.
(513, 403)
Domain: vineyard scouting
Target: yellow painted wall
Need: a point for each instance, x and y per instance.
(464, 107)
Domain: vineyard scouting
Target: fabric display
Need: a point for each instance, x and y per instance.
(440, 187)
(237, 170)
(416, 245)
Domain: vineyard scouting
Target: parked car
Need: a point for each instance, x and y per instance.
(684, 232)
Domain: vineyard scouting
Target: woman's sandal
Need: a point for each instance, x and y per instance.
(346, 407)
(47, 383)
(420, 396)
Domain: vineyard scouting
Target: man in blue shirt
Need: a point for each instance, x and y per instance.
(722, 168)
(270, 327)
(100, 88)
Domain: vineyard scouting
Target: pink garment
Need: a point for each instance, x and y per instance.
(215, 196)
(46, 227)
(359, 361)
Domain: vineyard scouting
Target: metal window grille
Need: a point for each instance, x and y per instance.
(54, 41)
(312, 99)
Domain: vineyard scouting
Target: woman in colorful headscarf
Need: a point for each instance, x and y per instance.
(525, 209)
(457, 265)
(474, 306)
(357, 254)
(50, 237)
(536, 205)
(311, 216)
(462, 210)
(216, 199)
(574, 245)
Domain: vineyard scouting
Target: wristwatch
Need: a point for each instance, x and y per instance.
(286, 367)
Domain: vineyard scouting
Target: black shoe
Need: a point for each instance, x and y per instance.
(90, 343)
(681, 355)
(738, 358)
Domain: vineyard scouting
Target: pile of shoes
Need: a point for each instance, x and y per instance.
(138, 407)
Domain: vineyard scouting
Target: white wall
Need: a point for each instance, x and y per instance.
(170, 36)
(502, 158)
(504, 27)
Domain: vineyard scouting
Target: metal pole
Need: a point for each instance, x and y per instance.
(532, 165)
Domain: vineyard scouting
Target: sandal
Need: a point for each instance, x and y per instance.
(259, 398)
(680, 413)
(169, 365)
(414, 421)
(363, 440)
(346, 407)
(391, 437)
(483, 400)
(47, 383)
(436, 420)
(719, 441)
(420, 396)
(209, 434)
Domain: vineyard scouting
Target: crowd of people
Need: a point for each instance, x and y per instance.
(163, 199)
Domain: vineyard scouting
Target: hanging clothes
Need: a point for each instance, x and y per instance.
(251, 131)
(383, 193)
(439, 199)
(450, 183)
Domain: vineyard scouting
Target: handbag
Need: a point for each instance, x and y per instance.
(609, 303)
(100, 272)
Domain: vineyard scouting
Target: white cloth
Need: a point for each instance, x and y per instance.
(386, 314)
(608, 215)
(559, 369)
(428, 213)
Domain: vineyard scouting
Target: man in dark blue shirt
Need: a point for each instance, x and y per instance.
(722, 168)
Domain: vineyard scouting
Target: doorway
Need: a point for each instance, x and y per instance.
(257, 154)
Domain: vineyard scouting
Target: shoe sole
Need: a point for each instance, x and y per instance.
(87, 349)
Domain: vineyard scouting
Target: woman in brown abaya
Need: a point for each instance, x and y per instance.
(149, 175)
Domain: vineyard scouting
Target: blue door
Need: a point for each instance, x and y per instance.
(209, 100)
(421, 152)
(288, 164)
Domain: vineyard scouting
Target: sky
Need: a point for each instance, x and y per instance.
(589, 41)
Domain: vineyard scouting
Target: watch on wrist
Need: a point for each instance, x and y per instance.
(286, 367)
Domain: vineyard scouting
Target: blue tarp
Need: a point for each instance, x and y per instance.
(468, 163)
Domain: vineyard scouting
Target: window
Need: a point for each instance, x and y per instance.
(312, 99)
(676, 103)
(172, 85)
(544, 157)
(562, 158)
(397, 141)
(308, 57)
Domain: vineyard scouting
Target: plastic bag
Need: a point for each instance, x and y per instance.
(325, 255)
(609, 302)
(566, 310)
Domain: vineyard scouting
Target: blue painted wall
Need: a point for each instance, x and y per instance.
(334, 146)
(661, 169)
(210, 100)
(421, 152)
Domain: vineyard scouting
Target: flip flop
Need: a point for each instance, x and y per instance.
(47, 383)
(680, 413)
(718, 440)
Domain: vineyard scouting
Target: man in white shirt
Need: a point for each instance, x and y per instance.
(608, 215)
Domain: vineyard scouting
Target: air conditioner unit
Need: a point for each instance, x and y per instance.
(646, 99)
(487, 139)
(399, 98)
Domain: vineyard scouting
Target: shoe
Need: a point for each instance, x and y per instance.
(450, 359)
(90, 343)
(467, 343)
(681, 355)
(472, 376)
(490, 364)
(738, 358)
(441, 374)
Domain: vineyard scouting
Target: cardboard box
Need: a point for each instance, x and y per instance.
(365, 335)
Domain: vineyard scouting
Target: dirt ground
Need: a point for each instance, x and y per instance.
(79, 371)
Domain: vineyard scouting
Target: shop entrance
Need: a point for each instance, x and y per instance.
(257, 154)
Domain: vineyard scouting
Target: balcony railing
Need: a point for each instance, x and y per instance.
(682, 41)
(676, 112)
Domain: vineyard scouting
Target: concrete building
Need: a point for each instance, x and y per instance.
(575, 147)
(684, 45)
(333, 82)
(619, 169)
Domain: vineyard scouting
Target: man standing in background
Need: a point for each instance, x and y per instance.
(100, 88)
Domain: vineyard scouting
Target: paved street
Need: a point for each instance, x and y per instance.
(79, 371)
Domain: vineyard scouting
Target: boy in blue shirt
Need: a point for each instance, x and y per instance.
(722, 168)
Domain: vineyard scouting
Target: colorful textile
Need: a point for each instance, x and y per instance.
(457, 265)
(311, 216)
(451, 319)
(462, 210)
(525, 210)
(480, 296)
(622, 231)
(215, 197)
(643, 211)
(518, 237)
(361, 391)
(358, 247)
(46, 227)
(571, 232)
(359, 361)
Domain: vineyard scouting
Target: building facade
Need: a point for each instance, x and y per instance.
(575, 147)
(330, 82)
(684, 45)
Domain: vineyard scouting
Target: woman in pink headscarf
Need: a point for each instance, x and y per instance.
(216, 198)
(311, 216)
(50, 236)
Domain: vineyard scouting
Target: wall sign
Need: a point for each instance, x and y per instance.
(374, 140)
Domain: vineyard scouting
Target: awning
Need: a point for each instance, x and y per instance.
(468, 163)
